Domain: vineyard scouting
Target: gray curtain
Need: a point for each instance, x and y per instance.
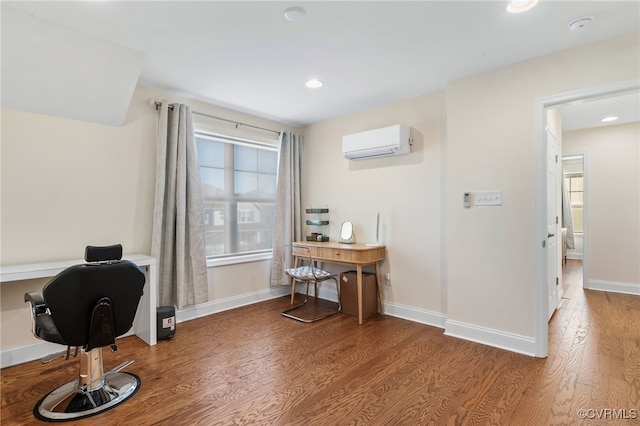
(288, 215)
(178, 240)
(567, 219)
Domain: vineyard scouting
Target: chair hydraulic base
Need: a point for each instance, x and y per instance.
(91, 394)
(286, 313)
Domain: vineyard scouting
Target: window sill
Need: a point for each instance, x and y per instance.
(233, 260)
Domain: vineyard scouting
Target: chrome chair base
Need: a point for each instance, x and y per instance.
(72, 401)
(286, 312)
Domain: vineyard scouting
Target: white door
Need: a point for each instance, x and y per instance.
(552, 223)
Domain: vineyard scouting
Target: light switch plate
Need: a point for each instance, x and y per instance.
(488, 198)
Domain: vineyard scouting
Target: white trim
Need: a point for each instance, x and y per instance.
(541, 340)
(15, 356)
(613, 286)
(422, 316)
(208, 308)
(487, 336)
(240, 258)
(34, 351)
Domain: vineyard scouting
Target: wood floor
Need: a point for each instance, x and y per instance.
(253, 366)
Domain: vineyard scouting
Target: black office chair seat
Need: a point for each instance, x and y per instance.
(88, 306)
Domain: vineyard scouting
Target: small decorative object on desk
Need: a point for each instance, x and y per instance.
(319, 219)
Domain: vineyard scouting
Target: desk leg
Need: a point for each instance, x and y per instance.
(359, 269)
(144, 324)
(379, 285)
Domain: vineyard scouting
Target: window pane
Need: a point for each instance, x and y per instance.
(255, 223)
(576, 198)
(246, 183)
(267, 161)
(576, 184)
(267, 185)
(212, 183)
(577, 215)
(214, 227)
(238, 184)
(246, 158)
(210, 153)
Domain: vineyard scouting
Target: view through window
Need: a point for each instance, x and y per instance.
(238, 188)
(574, 185)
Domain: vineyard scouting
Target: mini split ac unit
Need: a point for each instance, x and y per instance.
(392, 140)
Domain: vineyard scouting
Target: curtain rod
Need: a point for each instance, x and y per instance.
(238, 124)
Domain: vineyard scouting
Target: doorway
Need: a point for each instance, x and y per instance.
(543, 260)
(574, 214)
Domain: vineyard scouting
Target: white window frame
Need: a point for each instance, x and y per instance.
(253, 256)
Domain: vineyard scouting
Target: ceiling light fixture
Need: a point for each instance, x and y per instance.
(580, 23)
(518, 6)
(314, 83)
(609, 119)
(295, 13)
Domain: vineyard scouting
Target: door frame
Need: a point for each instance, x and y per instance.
(541, 105)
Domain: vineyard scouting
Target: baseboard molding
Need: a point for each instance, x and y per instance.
(38, 350)
(614, 287)
(208, 308)
(34, 351)
(421, 316)
(482, 335)
(491, 337)
(28, 353)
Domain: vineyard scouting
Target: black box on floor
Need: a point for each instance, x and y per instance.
(349, 294)
(166, 322)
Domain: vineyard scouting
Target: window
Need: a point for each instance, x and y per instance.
(238, 189)
(574, 185)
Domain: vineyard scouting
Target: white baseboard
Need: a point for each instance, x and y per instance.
(208, 308)
(487, 336)
(421, 316)
(38, 350)
(614, 287)
(28, 353)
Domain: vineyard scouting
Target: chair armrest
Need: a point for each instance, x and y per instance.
(38, 307)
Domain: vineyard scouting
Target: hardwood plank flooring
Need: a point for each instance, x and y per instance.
(252, 366)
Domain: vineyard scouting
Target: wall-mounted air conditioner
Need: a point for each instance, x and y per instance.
(392, 140)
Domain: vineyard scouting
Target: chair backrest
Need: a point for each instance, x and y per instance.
(72, 295)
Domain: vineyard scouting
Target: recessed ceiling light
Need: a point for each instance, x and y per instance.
(518, 6)
(295, 13)
(609, 119)
(314, 83)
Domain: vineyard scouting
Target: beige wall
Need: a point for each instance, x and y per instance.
(612, 165)
(491, 145)
(474, 265)
(66, 184)
(406, 190)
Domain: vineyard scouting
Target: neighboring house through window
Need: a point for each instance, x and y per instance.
(238, 188)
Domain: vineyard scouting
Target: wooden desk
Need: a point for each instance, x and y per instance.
(351, 254)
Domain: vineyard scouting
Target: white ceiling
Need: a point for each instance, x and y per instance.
(247, 56)
(589, 114)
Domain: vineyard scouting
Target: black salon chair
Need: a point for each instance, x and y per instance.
(88, 306)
